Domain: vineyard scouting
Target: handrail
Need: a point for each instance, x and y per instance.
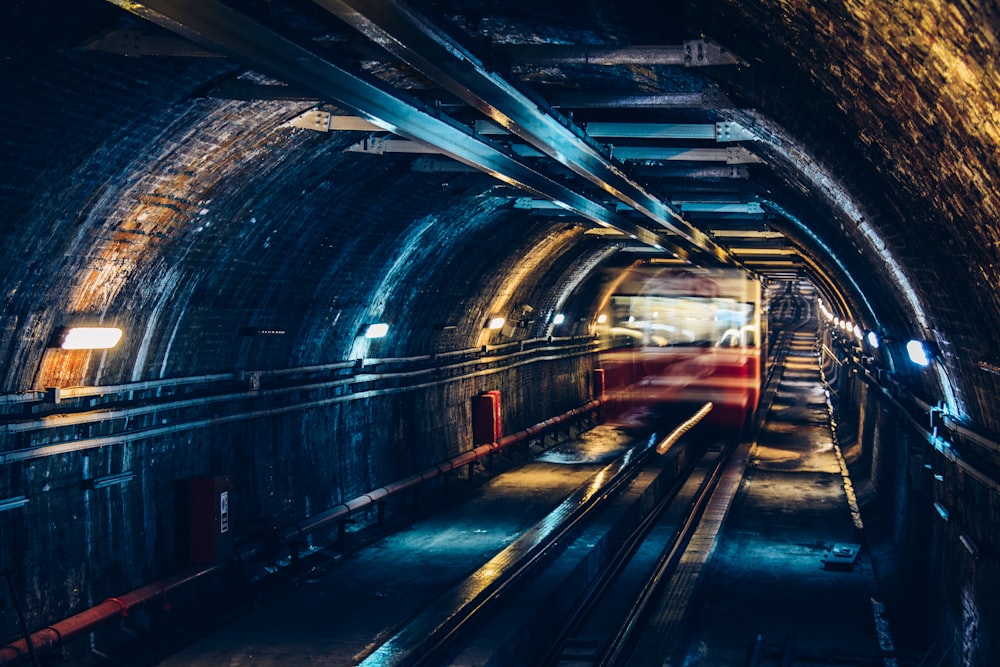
(53, 636)
(469, 368)
(38, 395)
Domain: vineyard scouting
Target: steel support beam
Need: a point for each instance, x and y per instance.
(692, 53)
(707, 98)
(217, 26)
(423, 46)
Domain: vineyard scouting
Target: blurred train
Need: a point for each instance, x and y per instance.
(677, 338)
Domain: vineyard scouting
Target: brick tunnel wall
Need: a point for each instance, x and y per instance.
(74, 547)
(921, 513)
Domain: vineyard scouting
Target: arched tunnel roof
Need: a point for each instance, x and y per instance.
(250, 185)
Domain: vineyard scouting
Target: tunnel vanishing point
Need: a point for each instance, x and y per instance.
(308, 235)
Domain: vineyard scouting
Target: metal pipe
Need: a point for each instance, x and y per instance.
(467, 368)
(51, 637)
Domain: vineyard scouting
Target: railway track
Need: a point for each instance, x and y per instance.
(602, 580)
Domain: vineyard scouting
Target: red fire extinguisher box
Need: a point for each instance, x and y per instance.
(202, 530)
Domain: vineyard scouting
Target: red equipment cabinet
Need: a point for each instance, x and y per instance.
(203, 530)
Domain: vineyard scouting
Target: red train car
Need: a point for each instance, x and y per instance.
(677, 338)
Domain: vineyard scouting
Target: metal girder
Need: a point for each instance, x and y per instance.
(383, 145)
(219, 27)
(707, 98)
(749, 246)
(692, 53)
(720, 132)
(761, 262)
(748, 209)
(423, 46)
(737, 155)
(730, 155)
(743, 226)
(676, 170)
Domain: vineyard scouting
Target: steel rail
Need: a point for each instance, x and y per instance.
(48, 639)
(412, 38)
(217, 26)
(420, 641)
(617, 650)
(626, 552)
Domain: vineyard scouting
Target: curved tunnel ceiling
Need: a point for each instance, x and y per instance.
(466, 158)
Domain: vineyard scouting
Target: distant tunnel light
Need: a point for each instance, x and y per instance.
(496, 323)
(601, 319)
(873, 340)
(918, 352)
(377, 330)
(90, 338)
(559, 319)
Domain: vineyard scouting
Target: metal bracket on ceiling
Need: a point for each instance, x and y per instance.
(740, 155)
(373, 145)
(701, 52)
(731, 131)
(324, 121)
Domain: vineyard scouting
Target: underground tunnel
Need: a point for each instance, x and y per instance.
(272, 270)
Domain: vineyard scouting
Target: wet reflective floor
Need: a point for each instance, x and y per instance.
(340, 617)
(767, 583)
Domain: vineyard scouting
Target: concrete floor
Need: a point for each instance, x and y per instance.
(337, 618)
(766, 577)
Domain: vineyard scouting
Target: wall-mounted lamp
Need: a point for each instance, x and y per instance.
(558, 319)
(601, 319)
(88, 338)
(496, 323)
(377, 330)
(873, 340)
(919, 352)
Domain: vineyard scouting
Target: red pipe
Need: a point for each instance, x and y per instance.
(51, 637)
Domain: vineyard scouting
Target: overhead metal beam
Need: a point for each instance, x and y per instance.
(732, 155)
(707, 98)
(740, 226)
(219, 27)
(746, 209)
(723, 131)
(688, 172)
(423, 46)
(692, 53)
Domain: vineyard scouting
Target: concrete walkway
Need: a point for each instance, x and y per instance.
(767, 582)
